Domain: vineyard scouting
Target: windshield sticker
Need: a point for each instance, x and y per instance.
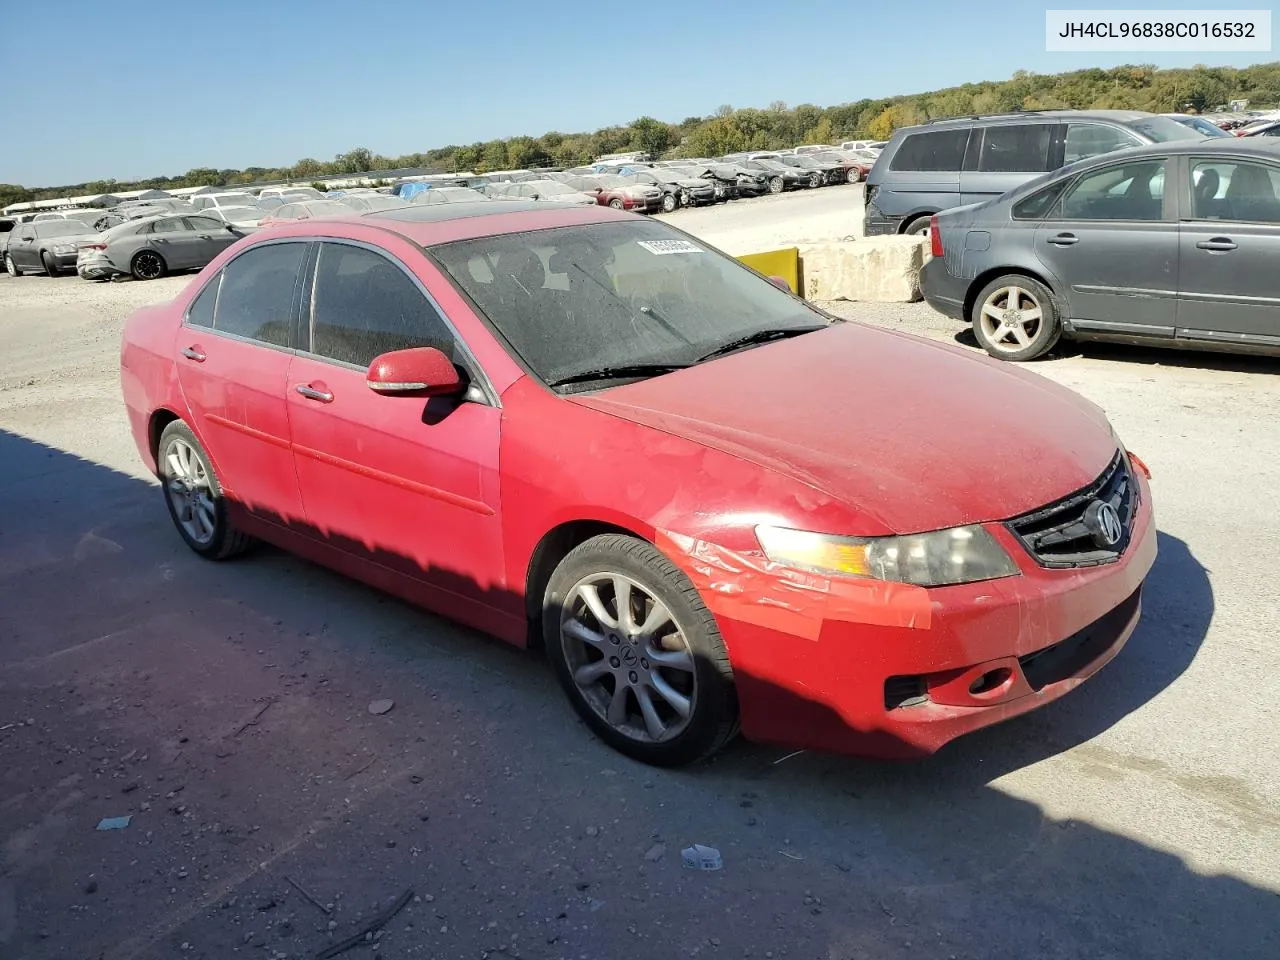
(663, 247)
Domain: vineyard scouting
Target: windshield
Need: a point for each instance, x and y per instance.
(551, 188)
(575, 299)
(233, 200)
(60, 228)
(236, 213)
(1163, 129)
(1203, 125)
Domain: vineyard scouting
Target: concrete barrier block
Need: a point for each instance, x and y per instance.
(874, 269)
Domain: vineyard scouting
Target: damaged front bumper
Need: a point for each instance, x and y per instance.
(880, 669)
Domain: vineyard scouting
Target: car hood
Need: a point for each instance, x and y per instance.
(647, 190)
(691, 182)
(915, 434)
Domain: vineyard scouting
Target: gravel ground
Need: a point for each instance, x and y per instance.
(225, 708)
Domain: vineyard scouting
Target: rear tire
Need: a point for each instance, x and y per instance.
(10, 267)
(1014, 318)
(918, 227)
(194, 496)
(148, 265)
(617, 204)
(595, 657)
(853, 176)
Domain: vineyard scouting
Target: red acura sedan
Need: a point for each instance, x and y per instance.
(717, 507)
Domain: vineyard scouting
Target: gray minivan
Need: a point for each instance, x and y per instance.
(948, 163)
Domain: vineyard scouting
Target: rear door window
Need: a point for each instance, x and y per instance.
(1086, 140)
(256, 297)
(1016, 148)
(937, 150)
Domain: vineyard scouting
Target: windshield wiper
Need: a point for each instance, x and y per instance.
(620, 372)
(760, 336)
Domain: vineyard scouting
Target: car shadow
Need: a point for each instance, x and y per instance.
(900, 860)
(1143, 355)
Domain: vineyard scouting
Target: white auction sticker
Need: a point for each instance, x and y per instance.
(663, 247)
(1157, 31)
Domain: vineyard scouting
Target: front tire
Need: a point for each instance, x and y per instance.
(815, 180)
(148, 265)
(194, 495)
(1014, 318)
(50, 266)
(776, 185)
(638, 653)
(669, 202)
(617, 203)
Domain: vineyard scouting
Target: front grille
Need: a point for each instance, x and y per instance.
(1068, 657)
(1060, 535)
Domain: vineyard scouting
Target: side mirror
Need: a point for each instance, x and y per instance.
(781, 283)
(415, 372)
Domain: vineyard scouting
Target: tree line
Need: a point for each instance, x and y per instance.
(1133, 87)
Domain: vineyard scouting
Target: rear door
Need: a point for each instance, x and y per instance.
(233, 353)
(1003, 156)
(1229, 246)
(1111, 243)
(174, 240)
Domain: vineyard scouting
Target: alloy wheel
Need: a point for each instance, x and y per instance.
(1011, 318)
(148, 265)
(630, 660)
(189, 491)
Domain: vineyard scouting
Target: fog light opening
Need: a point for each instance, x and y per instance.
(991, 680)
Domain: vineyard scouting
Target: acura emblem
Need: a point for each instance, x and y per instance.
(1104, 523)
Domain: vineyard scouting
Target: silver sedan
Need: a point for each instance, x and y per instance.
(152, 247)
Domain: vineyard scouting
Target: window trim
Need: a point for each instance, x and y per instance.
(304, 323)
(1188, 189)
(1169, 207)
(217, 278)
(1057, 185)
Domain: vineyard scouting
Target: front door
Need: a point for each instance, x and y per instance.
(22, 247)
(212, 235)
(234, 349)
(179, 245)
(404, 482)
(1111, 244)
(1230, 243)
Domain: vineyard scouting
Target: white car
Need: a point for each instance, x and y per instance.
(229, 198)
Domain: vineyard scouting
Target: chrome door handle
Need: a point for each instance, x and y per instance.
(1064, 240)
(1217, 243)
(311, 393)
(192, 353)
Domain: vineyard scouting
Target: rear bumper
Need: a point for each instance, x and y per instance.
(877, 224)
(886, 670)
(942, 291)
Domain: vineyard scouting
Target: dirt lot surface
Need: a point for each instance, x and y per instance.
(224, 707)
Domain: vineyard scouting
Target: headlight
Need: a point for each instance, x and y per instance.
(959, 555)
(64, 248)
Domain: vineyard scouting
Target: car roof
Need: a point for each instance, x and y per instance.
(1032, 116)
(1264, 148)
(432, 224)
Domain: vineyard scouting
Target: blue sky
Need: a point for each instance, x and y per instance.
(126, 89)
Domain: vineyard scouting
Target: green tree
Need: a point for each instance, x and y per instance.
(652, 136)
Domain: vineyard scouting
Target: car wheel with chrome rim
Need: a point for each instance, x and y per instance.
(194, 495)
(1014, 318)
(638, 653)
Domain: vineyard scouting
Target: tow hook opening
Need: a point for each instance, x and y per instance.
(991, 680)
